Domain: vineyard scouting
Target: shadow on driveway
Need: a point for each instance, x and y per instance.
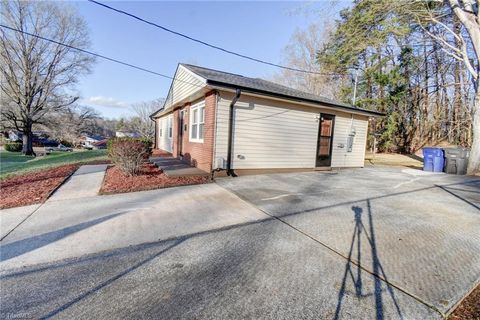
(377, 268)
(17, 248)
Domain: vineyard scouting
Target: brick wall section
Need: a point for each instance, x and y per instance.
(198, 154)
(157, 123)
(175, 151)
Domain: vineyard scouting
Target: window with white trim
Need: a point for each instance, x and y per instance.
(197, 122)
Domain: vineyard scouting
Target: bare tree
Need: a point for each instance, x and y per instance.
(469, 15)
(141, 122)
(301, 53)
(36, 76)
(463, 47)
(70, 124)
(104, 127)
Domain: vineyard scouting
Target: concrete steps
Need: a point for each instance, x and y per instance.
(174, 167)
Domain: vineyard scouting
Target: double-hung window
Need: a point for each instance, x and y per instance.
(197, 122)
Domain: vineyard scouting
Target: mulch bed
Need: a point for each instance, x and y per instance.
(33, 187)
(469, 308)
(36, 186)
(151, 177)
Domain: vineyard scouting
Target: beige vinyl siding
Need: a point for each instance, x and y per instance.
(185, 84)
(164, 142)
(343, 126)
(267, 136)
(277, 134)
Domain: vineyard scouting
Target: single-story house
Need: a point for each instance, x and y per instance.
(89, 140)
(219, 121)
(127, 134)
(39, 138)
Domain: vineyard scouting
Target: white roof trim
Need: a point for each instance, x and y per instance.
(196, 76)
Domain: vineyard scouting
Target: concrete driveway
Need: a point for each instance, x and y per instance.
(356, 244)
(418, 232)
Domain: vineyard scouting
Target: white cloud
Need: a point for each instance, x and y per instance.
(105, 102)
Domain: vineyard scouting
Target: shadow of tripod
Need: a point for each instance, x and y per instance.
(354, 272)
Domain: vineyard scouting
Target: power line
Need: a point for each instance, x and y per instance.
(206, 43)
(99, 55)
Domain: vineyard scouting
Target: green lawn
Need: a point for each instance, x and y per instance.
(13, 163)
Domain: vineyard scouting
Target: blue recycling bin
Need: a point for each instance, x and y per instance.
(428, 154)
(433, 159)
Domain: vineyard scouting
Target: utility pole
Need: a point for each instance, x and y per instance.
(355, 87)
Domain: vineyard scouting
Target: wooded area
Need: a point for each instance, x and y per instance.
(416, 61)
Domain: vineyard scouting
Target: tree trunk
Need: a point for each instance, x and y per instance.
(457, 96)
(441, 112)
(474, 162)
(27, 138)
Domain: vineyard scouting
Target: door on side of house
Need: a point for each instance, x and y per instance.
(181, 124)
(325, 140)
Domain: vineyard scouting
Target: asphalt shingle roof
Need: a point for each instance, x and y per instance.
(226, 79)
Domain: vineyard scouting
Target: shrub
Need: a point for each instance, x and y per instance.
(3, 140)
(148, 144)
(146, 141)
(13, 146)
(128, 154)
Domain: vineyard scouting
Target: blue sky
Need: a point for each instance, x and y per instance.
(258, 29)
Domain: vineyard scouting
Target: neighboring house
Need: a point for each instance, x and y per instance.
(129, 134)
(223, 121)
(15, 135)
(102, 144)
(39, 138)
(88, 141)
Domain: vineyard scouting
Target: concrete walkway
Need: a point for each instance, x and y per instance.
(85, 182)
(79, 226)
(11, 218)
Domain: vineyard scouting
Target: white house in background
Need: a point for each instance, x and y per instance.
(89, 141)
(129, 134)
(14, 135)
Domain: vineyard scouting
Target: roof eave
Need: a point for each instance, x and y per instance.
(293, 98)
(163, 110)
(153, 115)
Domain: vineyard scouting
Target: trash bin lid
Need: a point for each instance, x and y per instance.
(453, 151)
(432, 150)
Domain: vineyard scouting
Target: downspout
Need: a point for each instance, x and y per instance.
(230, 170)
(155, 135)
